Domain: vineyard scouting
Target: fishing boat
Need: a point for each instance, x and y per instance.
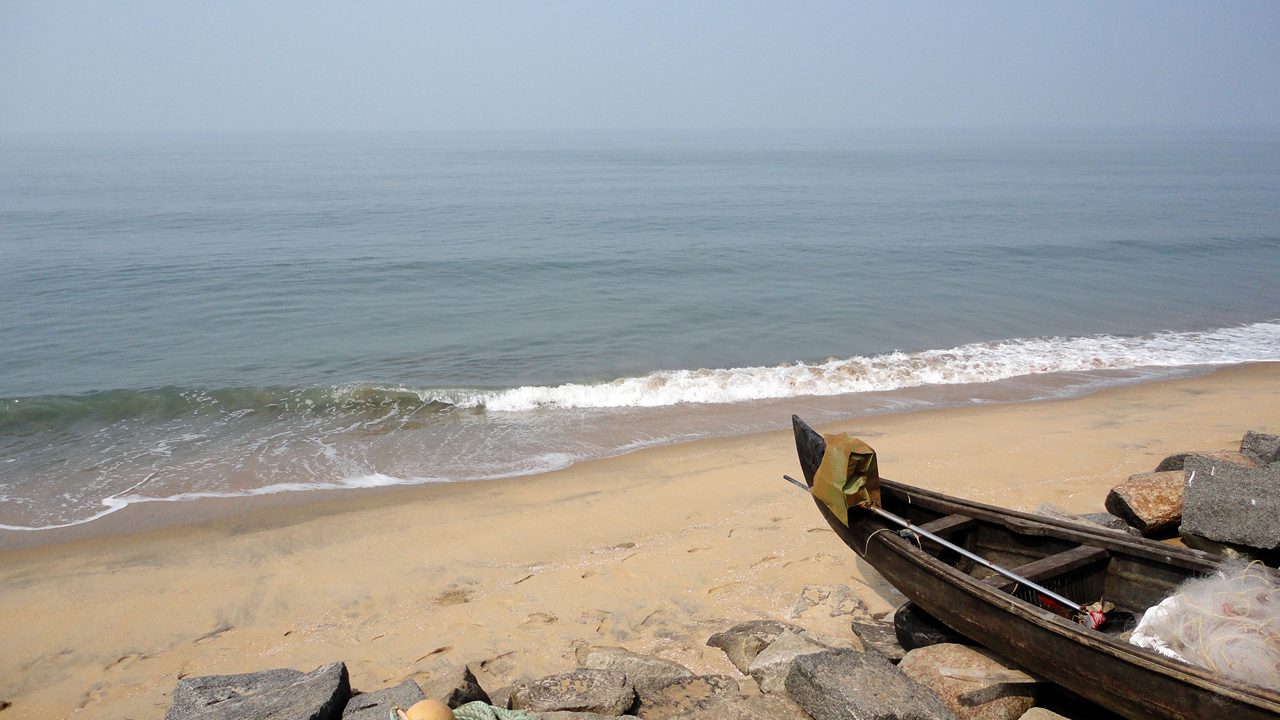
(953, 580)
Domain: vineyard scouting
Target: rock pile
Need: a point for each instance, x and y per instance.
(785, 672)
(1226, 502)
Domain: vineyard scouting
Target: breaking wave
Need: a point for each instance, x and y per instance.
(972, 363)
(69, 460)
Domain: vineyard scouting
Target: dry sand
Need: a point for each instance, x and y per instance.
(653, 551)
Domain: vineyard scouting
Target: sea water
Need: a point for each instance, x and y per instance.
(234, 315)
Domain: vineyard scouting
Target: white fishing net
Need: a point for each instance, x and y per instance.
(1228, 622)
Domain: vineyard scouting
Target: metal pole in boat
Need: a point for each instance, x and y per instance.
(987, 564)
(1095, 618)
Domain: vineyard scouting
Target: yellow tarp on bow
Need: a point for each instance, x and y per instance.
(848, 476)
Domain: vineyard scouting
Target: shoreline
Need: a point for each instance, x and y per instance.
(653, 550)
(146, 516)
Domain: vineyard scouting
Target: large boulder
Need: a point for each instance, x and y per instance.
(742, 642)
(606, 692)
(974, 683)
(770, 667)
(878, 635)
(1151, 502)
(1231, 551)
(377, 705)
(686, 695)
(276, 694)
(915, 628)
(457, 687)
(743, 707)
(841, 684)
(647, 674)
(1178, 461)
(1262, 448)
(1232, 504)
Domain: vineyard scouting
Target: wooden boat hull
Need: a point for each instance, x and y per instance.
(1123, 678)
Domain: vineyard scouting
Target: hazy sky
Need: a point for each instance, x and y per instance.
(170, 65)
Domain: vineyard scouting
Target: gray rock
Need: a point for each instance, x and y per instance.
(1056, 512)
(742, 707)
(771, 666)
(501, 697)
(742, 642)
(837, 599)
(1179, 460)
(276, 694)
(1106, 521)
(879, 636)
(984, 693)
(1229, 550)
(1151, 502)
(842, 684)
(457, 687)
(915, 628)
(687, 694)
(1111, 522)
(606, 692)
(1232, 504)
(567, 715)
(377, 705)
(1260, 447)
(647, 674)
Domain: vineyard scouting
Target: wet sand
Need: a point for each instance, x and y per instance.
(653, 551)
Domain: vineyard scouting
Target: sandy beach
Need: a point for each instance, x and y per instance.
(653, 551)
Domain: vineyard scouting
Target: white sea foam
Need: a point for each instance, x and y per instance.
(973, 363)
(124, 499)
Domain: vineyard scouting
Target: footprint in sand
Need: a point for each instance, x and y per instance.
(455, 596)
(822, 557)
(129, 658)
(223, 628)
(727, 587)
(438, 651)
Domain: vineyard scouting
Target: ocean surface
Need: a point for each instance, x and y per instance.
(185, 317)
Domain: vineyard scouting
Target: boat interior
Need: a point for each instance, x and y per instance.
(1082, 571)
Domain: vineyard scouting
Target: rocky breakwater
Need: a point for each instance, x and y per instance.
(843, 662)
(1226, 501)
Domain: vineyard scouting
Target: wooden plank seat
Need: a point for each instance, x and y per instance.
(949, 525)
(1052, 566)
